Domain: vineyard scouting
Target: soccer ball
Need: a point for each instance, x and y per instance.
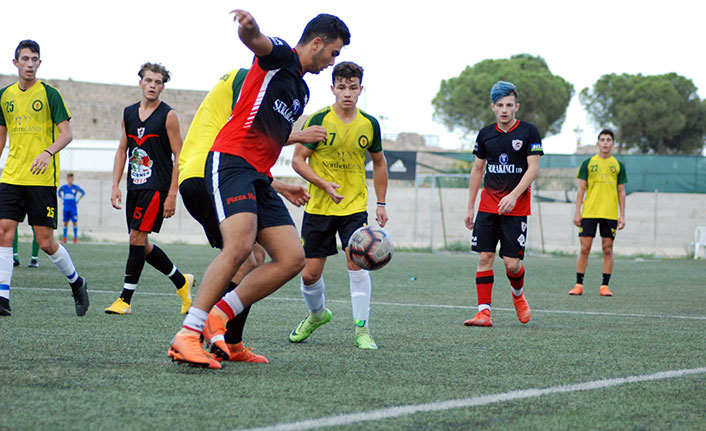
(370, 248)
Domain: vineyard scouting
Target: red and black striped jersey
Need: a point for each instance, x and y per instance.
(506, 162)
(272, 98)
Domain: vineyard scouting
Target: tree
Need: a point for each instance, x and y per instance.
(464, 102)
(658, 114)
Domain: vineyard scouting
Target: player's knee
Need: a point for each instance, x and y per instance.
(608, 251)
(310, 277)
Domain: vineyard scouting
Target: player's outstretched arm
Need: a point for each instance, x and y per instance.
(250, 35)
(473, 186)
(310, 135)
(296, 194)
(118, 168)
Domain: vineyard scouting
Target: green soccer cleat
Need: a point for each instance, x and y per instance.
(307, 326)
(364, 341)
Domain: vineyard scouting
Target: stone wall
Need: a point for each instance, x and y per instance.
(97, 109)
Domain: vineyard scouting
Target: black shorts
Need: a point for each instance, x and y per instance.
(490, 228)
(199, 204)
(319, 232)
(608, 227)
(37, 202)
(237, 187)
(144, 210)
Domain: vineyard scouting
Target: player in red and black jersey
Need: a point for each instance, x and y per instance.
(238, 176)
(150, 136)
(509, 150)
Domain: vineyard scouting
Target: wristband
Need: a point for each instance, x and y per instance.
(50, 154)
(381, 204)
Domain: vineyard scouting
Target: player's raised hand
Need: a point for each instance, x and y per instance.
(116, 198)
(331, 188)
(244, 18)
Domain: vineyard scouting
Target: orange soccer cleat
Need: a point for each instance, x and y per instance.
(186, 348)
(522, 308)
(577, 290)
(605, 291)
(482, 319)
(240, 353)
(214, 333)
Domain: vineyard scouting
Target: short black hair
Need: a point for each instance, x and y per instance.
(328, 27)
(606, 132)
(27, 43)
(347, 70)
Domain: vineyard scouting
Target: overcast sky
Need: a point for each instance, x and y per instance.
(406, 51)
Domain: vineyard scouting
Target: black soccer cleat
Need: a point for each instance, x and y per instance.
(5, 307)
(80, 295)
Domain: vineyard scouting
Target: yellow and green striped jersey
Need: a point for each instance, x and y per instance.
(341, 159)
(210, 117)
(602, 178)
(30, 117)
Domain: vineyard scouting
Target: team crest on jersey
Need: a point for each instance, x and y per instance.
(517, 144)
(363, 141)
(37, 105)
(504, 158)
(140, 165)
(612, 169)
(140, 132)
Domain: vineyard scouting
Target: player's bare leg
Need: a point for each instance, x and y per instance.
(582, 263)
(607, 266)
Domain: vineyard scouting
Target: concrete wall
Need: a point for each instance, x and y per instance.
(660, 224)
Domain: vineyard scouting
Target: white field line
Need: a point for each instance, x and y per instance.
(399, 411)
(400, 304)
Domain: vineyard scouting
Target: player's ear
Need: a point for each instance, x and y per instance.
(517, 106)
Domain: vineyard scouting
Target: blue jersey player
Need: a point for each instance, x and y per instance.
(71, 194)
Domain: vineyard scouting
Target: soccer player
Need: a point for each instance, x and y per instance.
(150, 137)
(34, 261)
(36, 117)
(69, 192)
(238, 176)
(509, 151)
(602, 180)
(210, 117)
(339, 199)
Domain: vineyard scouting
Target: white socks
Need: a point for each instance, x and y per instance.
(314, 296)
(361, 289)
(64, 264)
(195, 319)
(6, 267)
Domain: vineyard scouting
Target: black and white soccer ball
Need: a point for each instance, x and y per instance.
(370, 247)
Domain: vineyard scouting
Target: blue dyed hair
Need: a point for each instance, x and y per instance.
(502, 89)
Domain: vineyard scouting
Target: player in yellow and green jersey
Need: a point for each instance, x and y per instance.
(339, 199)
(602, 179)
(35, 116)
